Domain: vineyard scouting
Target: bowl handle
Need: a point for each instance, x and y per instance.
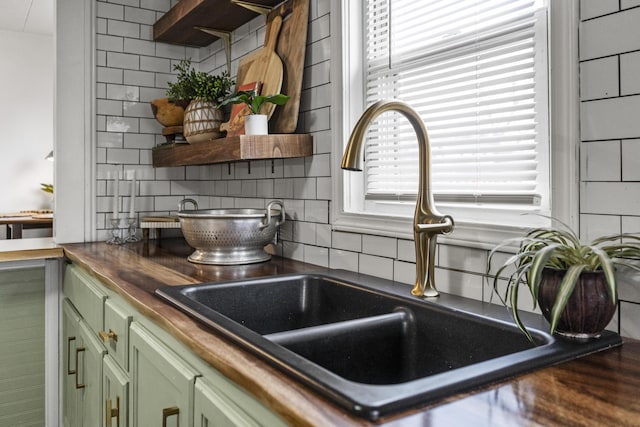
(267, 221)
(183, 203)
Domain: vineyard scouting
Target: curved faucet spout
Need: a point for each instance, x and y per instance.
(427, 221)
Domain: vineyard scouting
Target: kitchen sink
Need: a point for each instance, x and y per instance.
(367, 344)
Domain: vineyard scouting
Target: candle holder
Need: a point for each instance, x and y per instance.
(133, 230)
(115, 232)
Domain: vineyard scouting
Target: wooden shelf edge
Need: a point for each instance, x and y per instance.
(235, 148)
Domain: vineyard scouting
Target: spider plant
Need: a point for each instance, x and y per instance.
(560, 248)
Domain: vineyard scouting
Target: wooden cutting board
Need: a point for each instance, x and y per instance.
(264, 66)
(291, 48)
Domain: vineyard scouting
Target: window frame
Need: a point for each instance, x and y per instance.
(564, 134)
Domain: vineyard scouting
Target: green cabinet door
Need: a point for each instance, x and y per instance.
(162, 383)
(70, 337)
(82, 365)
(219, 403)
(115, 394)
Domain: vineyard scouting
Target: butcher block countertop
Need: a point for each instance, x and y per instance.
(596, 390)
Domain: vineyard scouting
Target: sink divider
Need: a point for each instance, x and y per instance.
(362, 325)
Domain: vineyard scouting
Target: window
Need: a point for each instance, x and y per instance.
(477, 72)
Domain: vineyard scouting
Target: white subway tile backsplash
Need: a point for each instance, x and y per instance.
(600, 161)
(378, 245)
(318, 165)
(293, 250)
(283, 188)
(109, 140)
(599, 78)
(141, 16)
(139, 140)
(265, 188)
(459, 283)
(148, 63)
(613, 118)
(109, 10)
(462, 258)
(628, 284)
(594, 226)
(610, 35)
(109, 75)
(316, 255)
(124, 29)
(123, 93)
(406, 250)
(294, 209)
(345, 260)
(108, 107)
(629, 71)
(324, 188)
(376, 266)
(631, 160)
(323, 235)
(594, 8)
(404, 272)
(138, 78)
(139, 47)
(630, 320)
(123, 60)
(316, 211)
(611, 198)
(110, 43)
(304, 188)
(347, 241)
(626, 4)
(122, 124)
(304, 232)
(631, 224)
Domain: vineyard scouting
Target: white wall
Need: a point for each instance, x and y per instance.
(26, 120)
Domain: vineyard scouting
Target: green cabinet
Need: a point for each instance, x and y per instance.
(121, 369)
(22, 348)
(115, 393)
(162, 382)
(82, 360)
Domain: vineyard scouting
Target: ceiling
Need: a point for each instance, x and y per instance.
(28, 16)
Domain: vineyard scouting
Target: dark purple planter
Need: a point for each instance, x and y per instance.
(589, 309)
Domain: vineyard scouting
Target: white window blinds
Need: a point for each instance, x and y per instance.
(475, 70)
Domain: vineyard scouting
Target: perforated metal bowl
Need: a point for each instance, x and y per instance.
(230, 236)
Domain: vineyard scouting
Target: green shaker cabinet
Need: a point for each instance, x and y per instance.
(162, 382)
(133, 373)
(115, 393)
(82, 386)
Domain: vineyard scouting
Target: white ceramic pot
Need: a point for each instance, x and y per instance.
(256, 124)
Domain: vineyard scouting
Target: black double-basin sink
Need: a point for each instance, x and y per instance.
(369, 346)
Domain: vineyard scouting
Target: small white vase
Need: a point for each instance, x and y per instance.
(256, 124)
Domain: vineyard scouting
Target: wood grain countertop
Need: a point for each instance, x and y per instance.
(597, 390)
(29, 249)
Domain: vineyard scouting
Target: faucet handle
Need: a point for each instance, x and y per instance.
(445, 226)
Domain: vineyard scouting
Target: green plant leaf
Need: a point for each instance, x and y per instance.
(538, 264)
(609, 272)
(567, 285)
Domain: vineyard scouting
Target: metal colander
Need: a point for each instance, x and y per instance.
(230, 236)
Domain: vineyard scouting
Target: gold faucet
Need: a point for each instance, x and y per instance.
(427, 221)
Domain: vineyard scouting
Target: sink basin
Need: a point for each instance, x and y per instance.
(369, 346)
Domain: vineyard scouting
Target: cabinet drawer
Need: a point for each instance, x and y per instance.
(116, 332)
(85, 294)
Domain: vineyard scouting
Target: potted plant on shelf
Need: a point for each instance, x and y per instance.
(575, 284)
(255, 123)
(203, 116)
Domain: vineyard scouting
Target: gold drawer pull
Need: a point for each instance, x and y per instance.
(78, 351)
(167, 412)
(69, 370)
(106, 336)
(112, 412)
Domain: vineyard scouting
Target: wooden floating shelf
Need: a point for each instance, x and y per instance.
(232, 149)
(178, 24)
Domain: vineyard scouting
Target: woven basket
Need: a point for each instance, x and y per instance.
(202, 122)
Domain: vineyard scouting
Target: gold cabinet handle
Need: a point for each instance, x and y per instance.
(112, 412)
(69, 370)
(106, 336)
(78, 351)
(167, 412)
